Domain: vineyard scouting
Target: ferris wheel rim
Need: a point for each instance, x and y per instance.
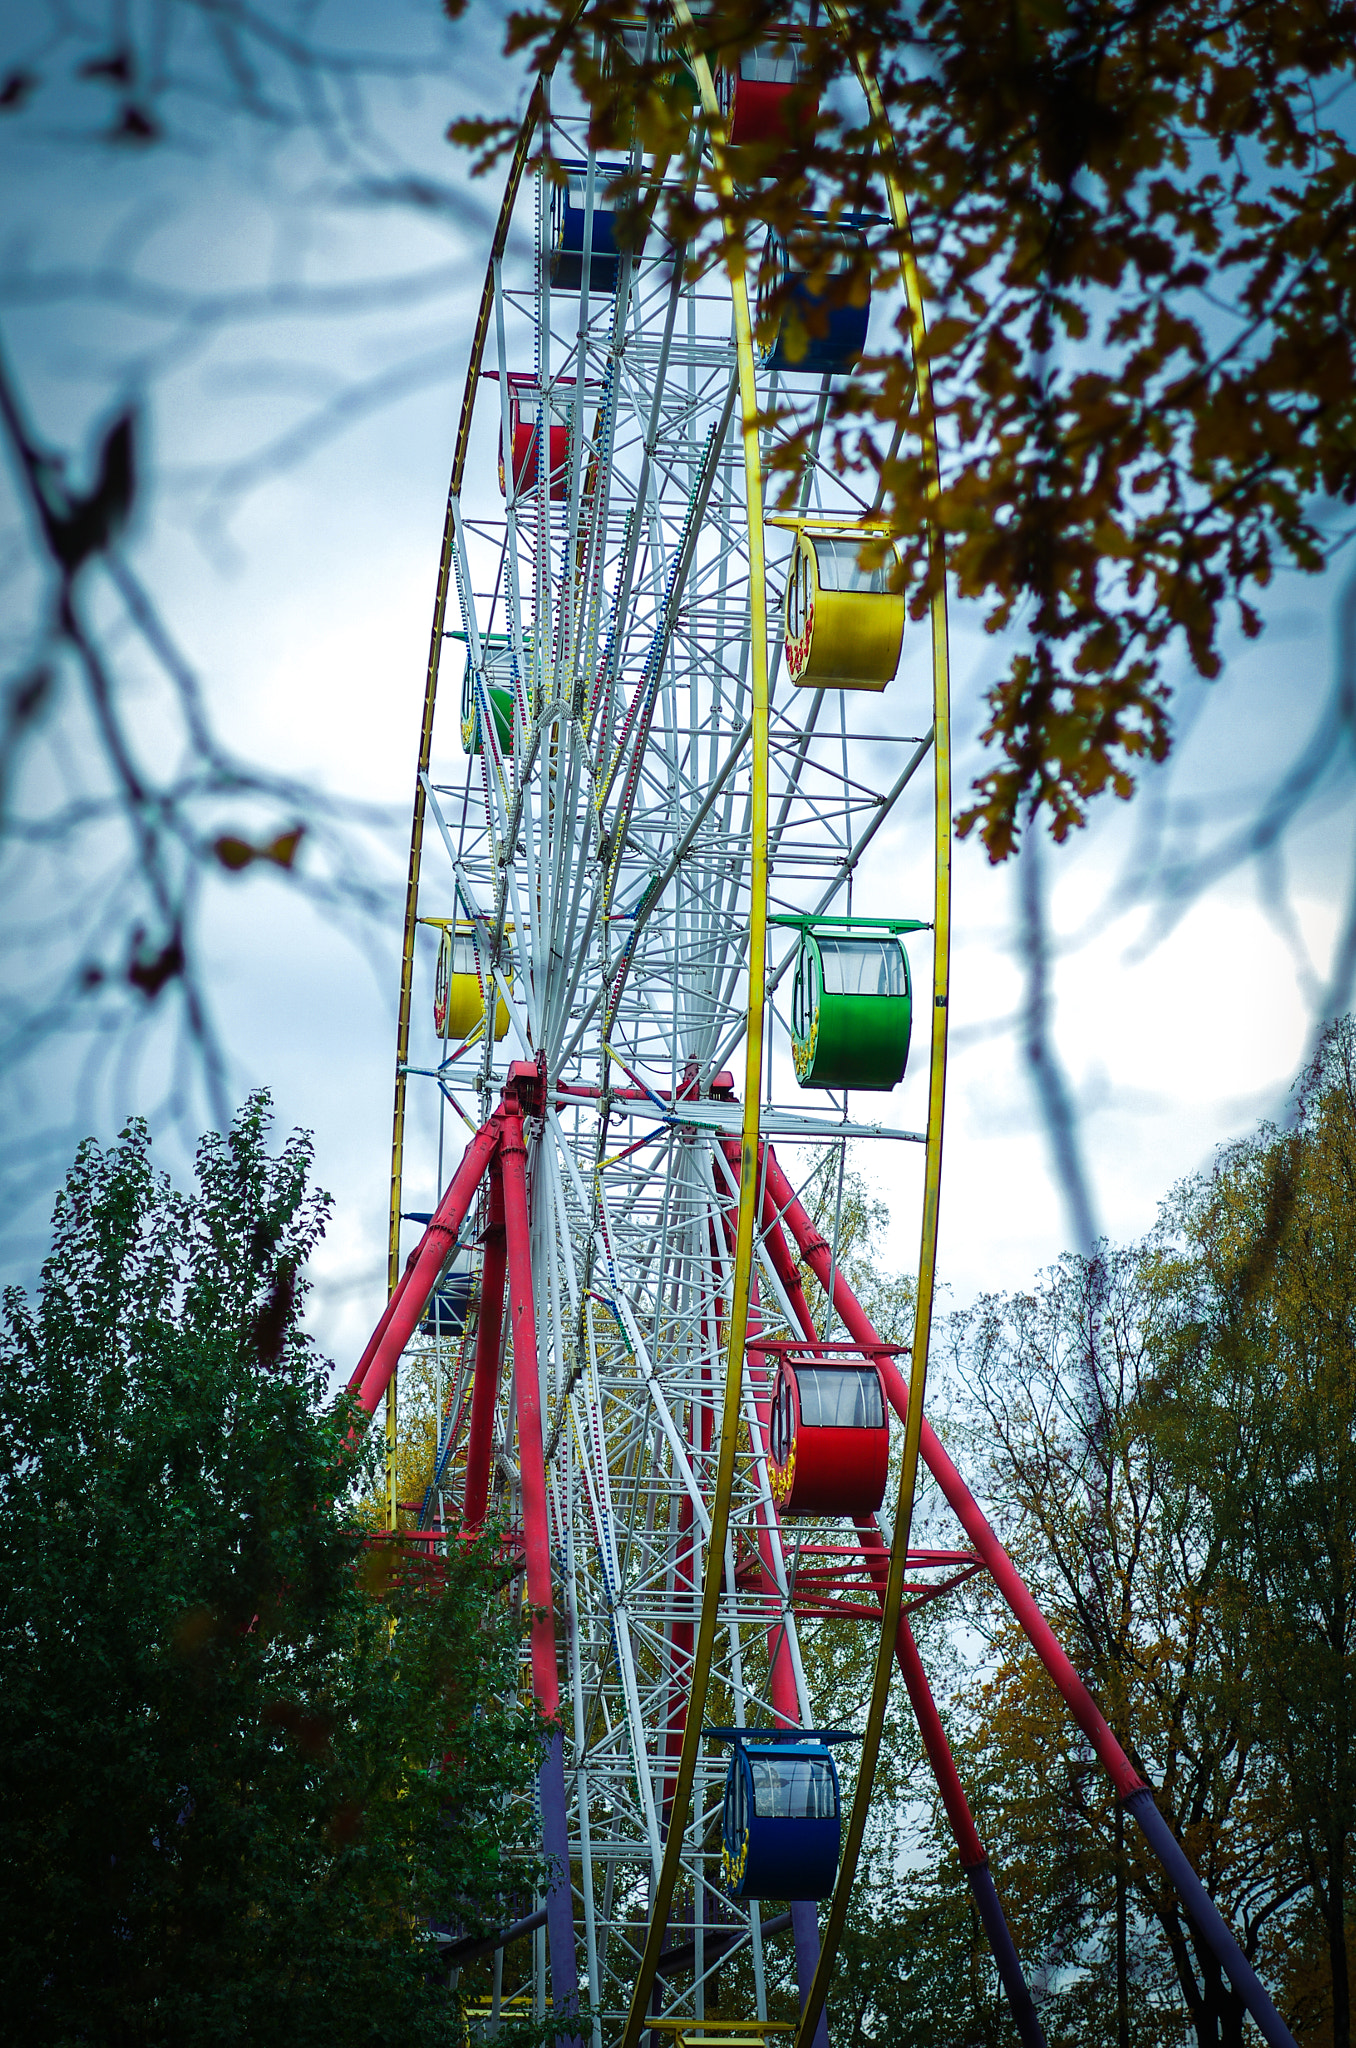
(503, 1133)
(892, 1602)
(750, 1134)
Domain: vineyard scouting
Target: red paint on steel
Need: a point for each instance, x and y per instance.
(938, 1748)
(781, 1673)
(784, 1266)
(489, 1332)
(680, 1655)
(782, 1694)
(527, 1380)
(682, 1633)
(359, 1373)
(1013, 1587)
(925, 1711)
(1006, 1577)
(411, 1293)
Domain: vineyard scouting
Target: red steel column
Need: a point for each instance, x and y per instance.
(782, 1695)
(925, 1708)
(973, 1857)
(410, 1295)
(781, 1674)
(1008, 1579)
(359, 1372)
(485, 1387)
(784, 1266)
(682, 1633)
(680, 1654)
(527, 1378)
(537, 1545)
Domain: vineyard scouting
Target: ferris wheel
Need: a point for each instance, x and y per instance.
(654, 973)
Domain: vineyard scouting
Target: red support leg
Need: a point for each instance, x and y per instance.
(485, 1387)
(781, 1673)
(682, 1633)
(537, 1545)
(974, 1859)
(680, 1655)
(372, 1375)
(1005, 1574)
(784, 1266)
(531, 1465)
(781, 1677)
(359, 1373)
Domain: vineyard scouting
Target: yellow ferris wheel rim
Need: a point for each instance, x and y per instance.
(750, 1133)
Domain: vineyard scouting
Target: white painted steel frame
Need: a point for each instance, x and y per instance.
(603, 857)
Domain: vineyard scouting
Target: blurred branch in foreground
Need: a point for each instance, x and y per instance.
(166, 827)
(228, 251)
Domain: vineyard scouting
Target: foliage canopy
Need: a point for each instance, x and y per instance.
(247, 1767)
(1137, 232)
(1167, 1433)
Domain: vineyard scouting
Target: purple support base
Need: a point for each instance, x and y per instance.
(980, 1880)
(805, 1932)
(1207, 1917)
(555, 1843)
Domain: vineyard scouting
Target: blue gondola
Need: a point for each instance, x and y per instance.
(449, 1305)
(806, 326)
(781, 1823)
(569, 212)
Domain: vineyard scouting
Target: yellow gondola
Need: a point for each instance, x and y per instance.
(457, 1003)
(844, 624)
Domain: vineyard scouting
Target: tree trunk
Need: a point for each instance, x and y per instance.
(1337, 1944)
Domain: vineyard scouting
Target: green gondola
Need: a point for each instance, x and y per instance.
(852, 1002)
(498, 659)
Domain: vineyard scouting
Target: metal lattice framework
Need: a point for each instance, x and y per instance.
(646, 788)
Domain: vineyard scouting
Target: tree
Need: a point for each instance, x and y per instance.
(1168, 1432)
(1125, 1548)
(1137, 230)
(1274, 1356)
(247, 1765)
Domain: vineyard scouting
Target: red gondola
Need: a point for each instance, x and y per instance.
(526, 409)
(829, 1442)
(756, 97)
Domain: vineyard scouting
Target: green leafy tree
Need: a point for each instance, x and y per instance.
(1123, 1543)
(247, 1765)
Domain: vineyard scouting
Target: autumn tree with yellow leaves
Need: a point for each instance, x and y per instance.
(1167, 1438)
(1136, 230)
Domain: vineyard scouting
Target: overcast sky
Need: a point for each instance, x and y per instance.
(291, 541)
